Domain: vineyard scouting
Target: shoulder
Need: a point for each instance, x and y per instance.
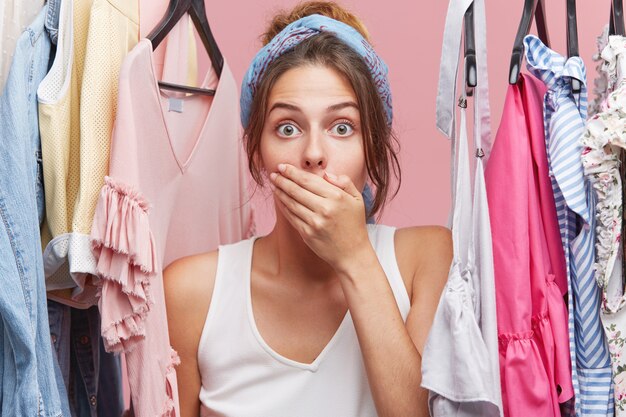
(424, 254)
(188, 284)
(424, 245)
(194, 273)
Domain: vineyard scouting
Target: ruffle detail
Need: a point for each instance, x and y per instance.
(454, 337)
(122, 331)
(520, 357)
(616, 47)
(170, 384)
(540, 350)
(126, 254)
(605, 134)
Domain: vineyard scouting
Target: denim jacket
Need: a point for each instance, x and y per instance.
(29, 385)
(93, 377)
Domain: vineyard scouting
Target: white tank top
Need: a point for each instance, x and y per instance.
(242, 376)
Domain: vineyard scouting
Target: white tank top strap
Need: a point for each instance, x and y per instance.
(229, 290)
(383, 241)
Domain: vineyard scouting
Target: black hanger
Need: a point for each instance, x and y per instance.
(531, 8)
(616, 21)
(175, 11)
(471, 76)
(572, 37)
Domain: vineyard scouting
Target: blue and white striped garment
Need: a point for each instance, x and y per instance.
(565, 114)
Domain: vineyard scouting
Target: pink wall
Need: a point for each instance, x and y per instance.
(407, 34)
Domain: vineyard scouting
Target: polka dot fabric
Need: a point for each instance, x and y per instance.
(77, 108)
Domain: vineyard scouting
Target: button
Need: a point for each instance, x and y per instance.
(84, 340)
(93, 401)
(53, 337)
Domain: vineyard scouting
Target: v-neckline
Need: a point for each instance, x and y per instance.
(184, 164)
(313, 366)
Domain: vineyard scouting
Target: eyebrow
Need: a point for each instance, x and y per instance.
(334, 107)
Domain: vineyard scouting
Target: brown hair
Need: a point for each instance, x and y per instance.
(326, 49)
(325, 8)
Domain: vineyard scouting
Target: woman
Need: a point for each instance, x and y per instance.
(326, 315)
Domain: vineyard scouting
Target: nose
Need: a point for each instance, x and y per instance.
(314, 156)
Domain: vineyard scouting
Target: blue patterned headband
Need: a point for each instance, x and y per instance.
(297, 32)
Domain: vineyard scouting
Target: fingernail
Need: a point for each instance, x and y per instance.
(331, 176)
(282, 167)
(273, 176)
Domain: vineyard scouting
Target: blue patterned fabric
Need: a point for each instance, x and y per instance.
(299, 31)
(564, 122)
(30, 381)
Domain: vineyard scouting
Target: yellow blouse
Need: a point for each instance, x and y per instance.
(77, 106)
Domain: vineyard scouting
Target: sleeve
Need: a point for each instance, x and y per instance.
(111, 35)
(121, 236)
(125, 250)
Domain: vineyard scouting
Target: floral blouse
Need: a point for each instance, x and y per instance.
(603, 141)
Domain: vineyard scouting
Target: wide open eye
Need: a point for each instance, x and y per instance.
(288, 130)
(342, 129)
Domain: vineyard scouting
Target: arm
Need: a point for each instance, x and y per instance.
(391, 349)
(329, 215)
(188, 282)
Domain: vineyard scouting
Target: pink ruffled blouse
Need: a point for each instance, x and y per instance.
(177, 186)
(529, 262)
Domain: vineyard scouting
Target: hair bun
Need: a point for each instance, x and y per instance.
(324, 8)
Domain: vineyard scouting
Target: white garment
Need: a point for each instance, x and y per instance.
(15, 16)
(460, 365)
(243, 376)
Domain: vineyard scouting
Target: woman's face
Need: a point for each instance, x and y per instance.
(313, 123)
